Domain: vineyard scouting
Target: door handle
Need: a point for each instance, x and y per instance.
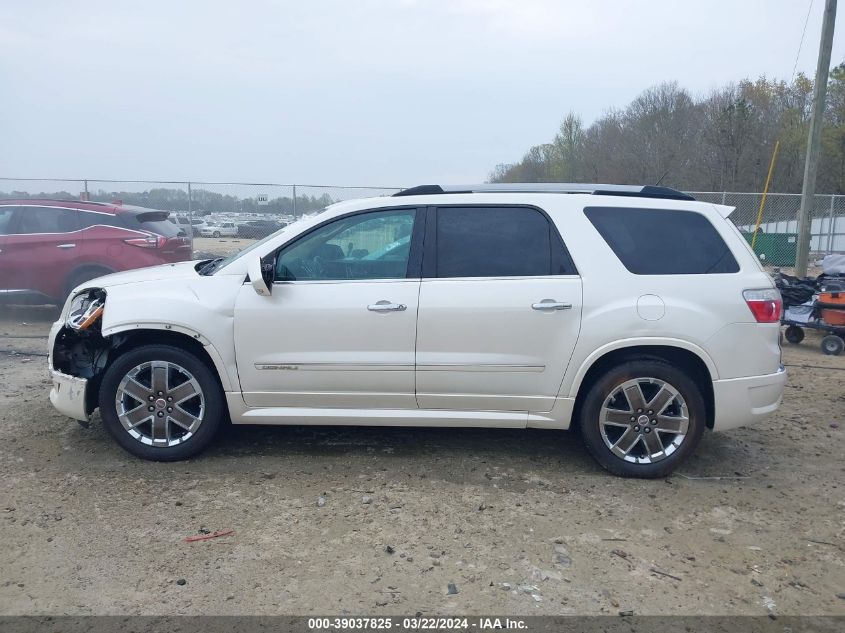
(66, 246)
(386, 306)
(551, 304)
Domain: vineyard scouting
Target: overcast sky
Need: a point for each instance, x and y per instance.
(366, 92)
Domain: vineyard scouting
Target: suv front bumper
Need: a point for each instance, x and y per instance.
(68, 392)
(741, 401)
(68, 395)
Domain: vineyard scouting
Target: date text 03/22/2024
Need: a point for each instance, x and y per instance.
(416, 623)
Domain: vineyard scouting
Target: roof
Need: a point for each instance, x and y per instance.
(59, 201)
(46, 200)
(83, 205)
(640, 191)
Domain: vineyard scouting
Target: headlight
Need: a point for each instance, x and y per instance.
(85, 309)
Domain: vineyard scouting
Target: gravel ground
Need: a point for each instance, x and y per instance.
(398, 521)
(207, 247)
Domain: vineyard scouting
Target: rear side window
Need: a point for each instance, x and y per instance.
(150, 221)
(663, 241)
(90, 218)
(497, 242)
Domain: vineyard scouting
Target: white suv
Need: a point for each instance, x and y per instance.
(219, 229)
(635, 313)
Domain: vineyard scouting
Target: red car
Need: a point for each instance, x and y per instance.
(49, 246)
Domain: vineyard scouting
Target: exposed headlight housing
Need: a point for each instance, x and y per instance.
(85, 309)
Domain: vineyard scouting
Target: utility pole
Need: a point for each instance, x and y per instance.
(811, 162)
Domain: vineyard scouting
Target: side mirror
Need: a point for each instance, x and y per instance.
(261, 276)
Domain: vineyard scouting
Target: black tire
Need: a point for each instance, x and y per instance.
(832, 345)
(794, 334)
(590, 420)
(215, 234)
(80, 277)
(211, 414)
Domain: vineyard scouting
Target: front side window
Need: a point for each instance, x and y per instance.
(497, 242)
(374, 245)
(47, 220)
(6, 219)
(663, 241)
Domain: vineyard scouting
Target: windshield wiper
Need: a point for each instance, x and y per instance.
(209, 267)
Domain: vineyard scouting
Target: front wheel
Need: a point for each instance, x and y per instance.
(216, 234)
(161, 403)
(642, 418)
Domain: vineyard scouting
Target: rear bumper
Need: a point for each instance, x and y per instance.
(741, 401)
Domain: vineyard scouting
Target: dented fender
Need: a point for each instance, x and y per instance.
(201, 309)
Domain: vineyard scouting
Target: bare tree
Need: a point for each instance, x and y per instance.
(722, 141)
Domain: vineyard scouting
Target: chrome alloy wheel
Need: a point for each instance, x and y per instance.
(160, 403)
(644, 420)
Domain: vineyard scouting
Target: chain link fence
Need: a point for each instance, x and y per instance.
(222, 218)
(776, 240)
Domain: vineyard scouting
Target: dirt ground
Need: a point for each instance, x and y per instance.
(519, 522)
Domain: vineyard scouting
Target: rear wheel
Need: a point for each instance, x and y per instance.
(642, 418)
(161, 403)
(832, 345)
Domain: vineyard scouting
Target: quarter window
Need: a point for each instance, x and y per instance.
(497, 242)
(663, 241)
(373, 245)
(47, 220)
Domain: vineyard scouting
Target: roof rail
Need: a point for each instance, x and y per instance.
(640, 191)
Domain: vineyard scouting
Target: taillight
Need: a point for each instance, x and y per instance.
(150, 241)
(765, 304)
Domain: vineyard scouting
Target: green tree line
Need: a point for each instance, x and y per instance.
(721, 141)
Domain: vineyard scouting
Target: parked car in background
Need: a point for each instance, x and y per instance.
(182, 222)
(197, 226)
(636, 314)
(49, 246)
(191, 226)
(219, 229)
(259, 228)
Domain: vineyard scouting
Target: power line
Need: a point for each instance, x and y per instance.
(801, 43)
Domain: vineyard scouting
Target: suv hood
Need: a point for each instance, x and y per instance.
(182, 270)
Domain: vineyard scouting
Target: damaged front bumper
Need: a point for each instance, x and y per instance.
(68, 394)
